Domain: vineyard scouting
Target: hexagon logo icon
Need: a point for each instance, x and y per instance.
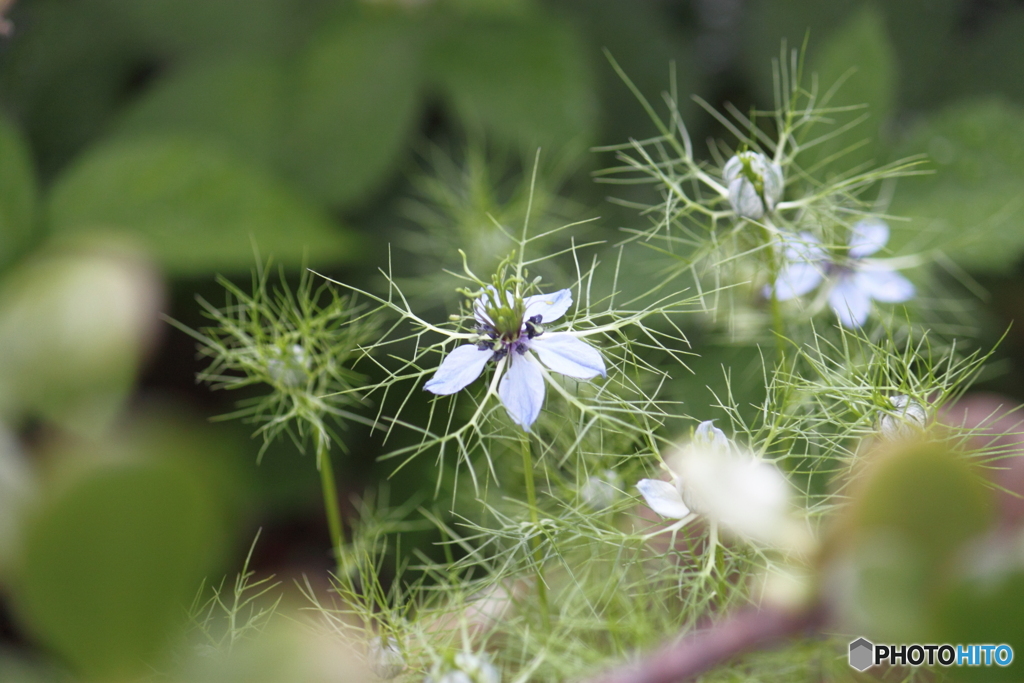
(862, 654)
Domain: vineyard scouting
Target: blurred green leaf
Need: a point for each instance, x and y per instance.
(985, 607)
(766, 23)
(525, 82)
(644, 41)
(236, 102)
(196, 208)
(197, 30)
(971, 206)
(17, 194)
(111, 563)
(922, 33)
(356, 101)
(64, 73)
(75, 323)
(859, 55)
(986, 60)
(916, 507)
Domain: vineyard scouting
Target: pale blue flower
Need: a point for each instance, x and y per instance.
(854, 280)
(755, 184)
(512, 334)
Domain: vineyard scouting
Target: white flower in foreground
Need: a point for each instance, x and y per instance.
(730, 487)
(908, 417)
(468, 668)
(755, 184)
(385, 659)
(512, 335)
(854, 280)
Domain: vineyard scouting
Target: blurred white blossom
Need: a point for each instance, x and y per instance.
(730, 487)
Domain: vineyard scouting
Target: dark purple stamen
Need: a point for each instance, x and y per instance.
(503, 345)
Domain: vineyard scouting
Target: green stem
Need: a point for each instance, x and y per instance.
(538, 558)
(330, 490)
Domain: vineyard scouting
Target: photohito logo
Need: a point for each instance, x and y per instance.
(865, 654)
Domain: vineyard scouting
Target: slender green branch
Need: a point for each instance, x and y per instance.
(330, 491)
(538, 556)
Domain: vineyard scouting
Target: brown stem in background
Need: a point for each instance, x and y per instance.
(695, 654)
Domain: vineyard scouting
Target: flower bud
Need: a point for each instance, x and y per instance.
(910, 417)
(385, 659)
(755, 184)
(289, 367)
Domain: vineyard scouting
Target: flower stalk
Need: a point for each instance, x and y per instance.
(538, 555)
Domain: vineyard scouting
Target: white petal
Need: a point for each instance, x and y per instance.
(707, 434)
(744, 199)
(796, 280)
(867, 237)
(522, 389)
(549, 307)
(745, 495)
(663, 498)
(802, 248)
(568, 355)
(850, 303)
(774, 185)
(886, 286)
(462, 366)
(732, 169)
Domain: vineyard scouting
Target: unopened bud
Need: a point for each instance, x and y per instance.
(755, 184)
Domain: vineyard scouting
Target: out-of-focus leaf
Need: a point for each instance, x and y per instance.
(75, 324)
(17, 194)
(237, 102)
(860, 55)
(196, 208)
(526, 81)
(197, 30)
(641, 39)
(64, 74)
(971, 207)
(914, 510)
(111, 563)
(356, 100)
(987, 60)
(982, 605)
(766, 23)
(922, 32)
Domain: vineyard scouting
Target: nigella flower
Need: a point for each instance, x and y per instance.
(855, 280)
(729, 486)
(755, 184)
(512, 335)
(466, 668)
